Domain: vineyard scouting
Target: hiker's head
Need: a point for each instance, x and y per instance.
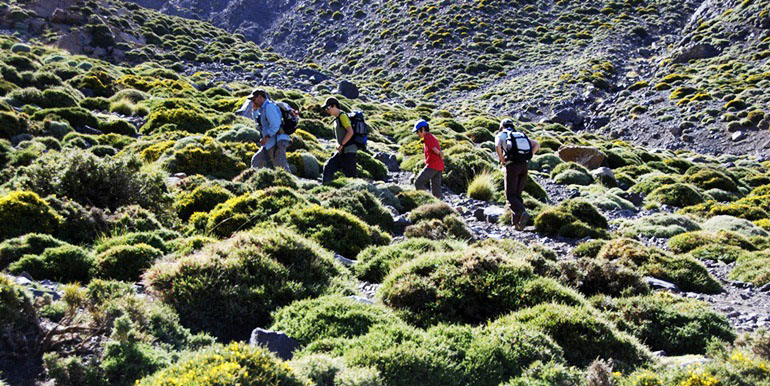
(507, 124)
(332, 106)
(421, 128)
(258, 97)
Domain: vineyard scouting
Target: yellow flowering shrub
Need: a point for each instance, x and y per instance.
(234, 364)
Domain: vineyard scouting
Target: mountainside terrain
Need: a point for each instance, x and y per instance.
(663, 73)
(138, 246)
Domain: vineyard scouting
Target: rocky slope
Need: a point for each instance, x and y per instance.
(662, 73)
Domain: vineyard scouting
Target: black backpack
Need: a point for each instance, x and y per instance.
(517, 147)
(360, 129)
(289, 118)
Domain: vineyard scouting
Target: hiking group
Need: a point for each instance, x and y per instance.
(276, 121)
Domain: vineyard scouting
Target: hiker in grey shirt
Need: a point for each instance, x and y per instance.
(274, 141)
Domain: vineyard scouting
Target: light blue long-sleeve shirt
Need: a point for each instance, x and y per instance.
(268, 117)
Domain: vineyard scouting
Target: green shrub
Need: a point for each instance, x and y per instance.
(264, 178)
(18, 319)
(50, 98)
(670, 323)
(589, 248)
(23, 212)
(334, 229)
(726, 253)
(437, 211)
(236, 363)
(707, 178)
(230, 287)
(152, 239)
(125, 362)
(599, 276)
(752, 270)
(204, 156)
(411, 199)
(243, 212)
(362, 204)
(29, 244)
(732, 224)
(329, 317)
(443, 355)
(572, 218)
(203, 198)
(65, 264)
(117, 126)
(583, 334)
(305, 165)
(12, 125)
(573, 177)
(133, 218)
(126, 262)
(467, 287)
(682, 270)
(186, 120)
(369, 167)
(482, 187)
(451, 226)
(375, 263)
(678, 194)
(686, 242)
(97, 103)
(89, 180)
(659, 225)
(76, 116)
(649, 182)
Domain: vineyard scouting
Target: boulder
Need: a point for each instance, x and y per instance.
(493, 213)
(695, 52)
(597, 123)
(74, 42)
(389, 160)
(348, 89)
(314, 75)
(738, 135)
(277, 342)
(61, 16)
(400, 223)
(590, 157)
(567, 116)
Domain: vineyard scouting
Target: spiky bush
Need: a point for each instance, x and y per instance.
(243, 212)
(334, 229)
(66, 264)
(230, 287)
(376, 262)
(203, 198)
(126, 262)
(670, 323)
(572, 218)
(236, 363)
(23, 212)
(467, 287)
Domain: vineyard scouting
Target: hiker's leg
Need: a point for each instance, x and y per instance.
(349, 164)
(331, 167)
(259, 160)
(279, 155)
(519, 171)
(421, 182)
(511, 185)
(435, 185)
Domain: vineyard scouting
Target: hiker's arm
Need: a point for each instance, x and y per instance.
(500, 155)
(535, 146)
(438, 152)
(273, 115)
(348, 135)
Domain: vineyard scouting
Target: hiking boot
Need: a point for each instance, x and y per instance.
(523, 220)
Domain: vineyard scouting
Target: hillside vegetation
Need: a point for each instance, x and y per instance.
(138, 247)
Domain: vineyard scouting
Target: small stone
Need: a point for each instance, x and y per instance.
(345, 261)
(661, 285)
(737, 136)
(733, 314)
(765, 288)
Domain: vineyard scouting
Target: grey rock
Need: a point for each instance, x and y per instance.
(493, 213)
(696, 52)
(277, 342)
(765, 288)
(479, 214)
(344, 260)
(389, 160)
(658, 284)
(314, 75)
(733, 314)
(400, 223)
(590, 157)
(361, 299)
(603, 172)
(737, 136)
(567, 116)
(348, 89)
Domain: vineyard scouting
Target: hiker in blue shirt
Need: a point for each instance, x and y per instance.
(274, 141)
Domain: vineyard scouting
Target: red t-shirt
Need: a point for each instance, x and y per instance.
(432, 159)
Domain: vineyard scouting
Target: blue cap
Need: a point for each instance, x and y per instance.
(419, 125)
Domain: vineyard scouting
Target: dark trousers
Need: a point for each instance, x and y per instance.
(344, 161)
(432, 176)
(515, 178)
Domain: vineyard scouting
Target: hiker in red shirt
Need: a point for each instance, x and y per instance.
(434, 161)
